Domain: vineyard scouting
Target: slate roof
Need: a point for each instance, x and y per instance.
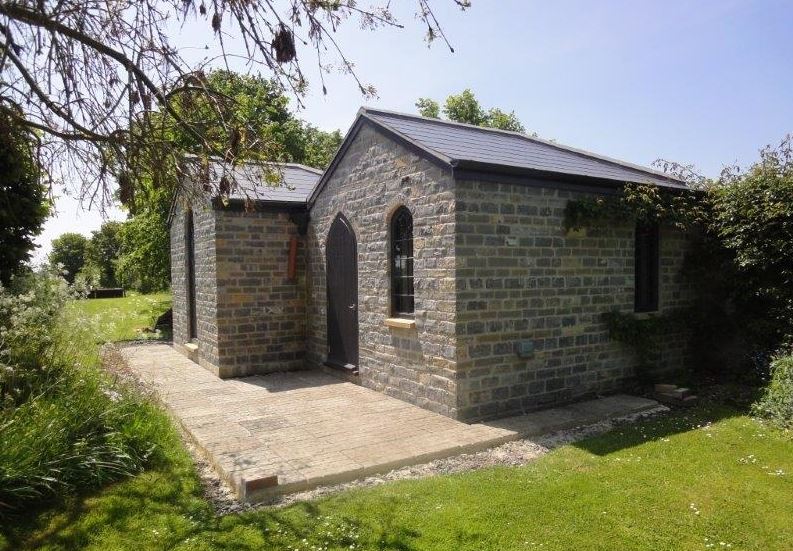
(465, 149)
(298, 182)
(471, 147)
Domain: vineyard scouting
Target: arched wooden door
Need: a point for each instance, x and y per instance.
(341, 269)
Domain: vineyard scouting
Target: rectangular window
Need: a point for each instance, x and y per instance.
(647, 256)
(192, 319)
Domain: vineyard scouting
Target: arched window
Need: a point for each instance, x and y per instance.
(402, 264)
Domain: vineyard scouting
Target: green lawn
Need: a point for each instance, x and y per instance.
(678, 482)
(122, 319)
(708, 478)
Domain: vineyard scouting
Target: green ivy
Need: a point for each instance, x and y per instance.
(644, 335)
(640, 203)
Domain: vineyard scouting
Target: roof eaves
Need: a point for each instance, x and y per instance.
(237, 203)
(256, 162)
(301, 166)
(478, 170)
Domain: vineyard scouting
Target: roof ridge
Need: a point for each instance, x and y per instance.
(304, 167)
(563, 147)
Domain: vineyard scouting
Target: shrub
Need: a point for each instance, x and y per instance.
(753, 218)
(65, 426)
(776, 402)
(739, 267)
(28, 314)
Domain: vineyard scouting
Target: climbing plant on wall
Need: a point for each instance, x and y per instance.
(683, 209)
(738, 264)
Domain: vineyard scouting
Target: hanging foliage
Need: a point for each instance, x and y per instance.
(683, 209)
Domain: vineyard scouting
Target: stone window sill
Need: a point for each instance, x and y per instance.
(646, 315)
(400, 323)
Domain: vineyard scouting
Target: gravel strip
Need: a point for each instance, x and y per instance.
(511, 454)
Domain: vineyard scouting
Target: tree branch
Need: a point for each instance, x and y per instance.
(18, 13)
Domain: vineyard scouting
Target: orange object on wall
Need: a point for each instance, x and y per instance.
(292, 271)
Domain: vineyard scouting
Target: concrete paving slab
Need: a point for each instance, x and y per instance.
(288, 432)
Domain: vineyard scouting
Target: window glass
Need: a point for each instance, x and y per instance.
(647, 264)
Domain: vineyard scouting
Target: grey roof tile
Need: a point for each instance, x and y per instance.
(466, 145)
(249, 182)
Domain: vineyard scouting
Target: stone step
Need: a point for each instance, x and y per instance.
(676, 398)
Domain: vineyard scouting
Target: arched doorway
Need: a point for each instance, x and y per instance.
(341, 269)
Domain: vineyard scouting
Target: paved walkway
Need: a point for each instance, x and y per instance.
(288, 432)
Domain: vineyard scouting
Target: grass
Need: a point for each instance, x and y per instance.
(122, 319)
(705, 479)
(72, 427)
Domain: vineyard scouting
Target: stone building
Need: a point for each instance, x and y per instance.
(430, 262)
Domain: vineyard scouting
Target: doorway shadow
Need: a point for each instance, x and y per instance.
(285, 381)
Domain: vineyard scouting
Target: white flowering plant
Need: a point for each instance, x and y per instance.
(64, 423)
(29, 312)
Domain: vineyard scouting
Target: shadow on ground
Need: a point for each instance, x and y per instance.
(678, 421)
(138, 516)
(165, 509)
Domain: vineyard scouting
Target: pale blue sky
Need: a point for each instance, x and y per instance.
(706, 82)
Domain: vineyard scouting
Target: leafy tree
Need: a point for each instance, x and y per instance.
(319, 147)
(69, 251)
(272, 133)
(144, 263)
(464, 107)
(23, 198)
(496, 118)
(428, 108)
(753, 219)
(251, 113)
(103, 251)
(81, 73)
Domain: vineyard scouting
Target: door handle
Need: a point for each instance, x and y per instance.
(351, 307)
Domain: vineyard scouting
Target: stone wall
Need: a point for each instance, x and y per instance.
(522, 279)
(261, 314)
(495, 274)
(375, 177)
(251, 317)
(205, 279)
(179, 278)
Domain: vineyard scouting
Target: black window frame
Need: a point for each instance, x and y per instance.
(402, 295)
(190, 273)
(647, 256)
